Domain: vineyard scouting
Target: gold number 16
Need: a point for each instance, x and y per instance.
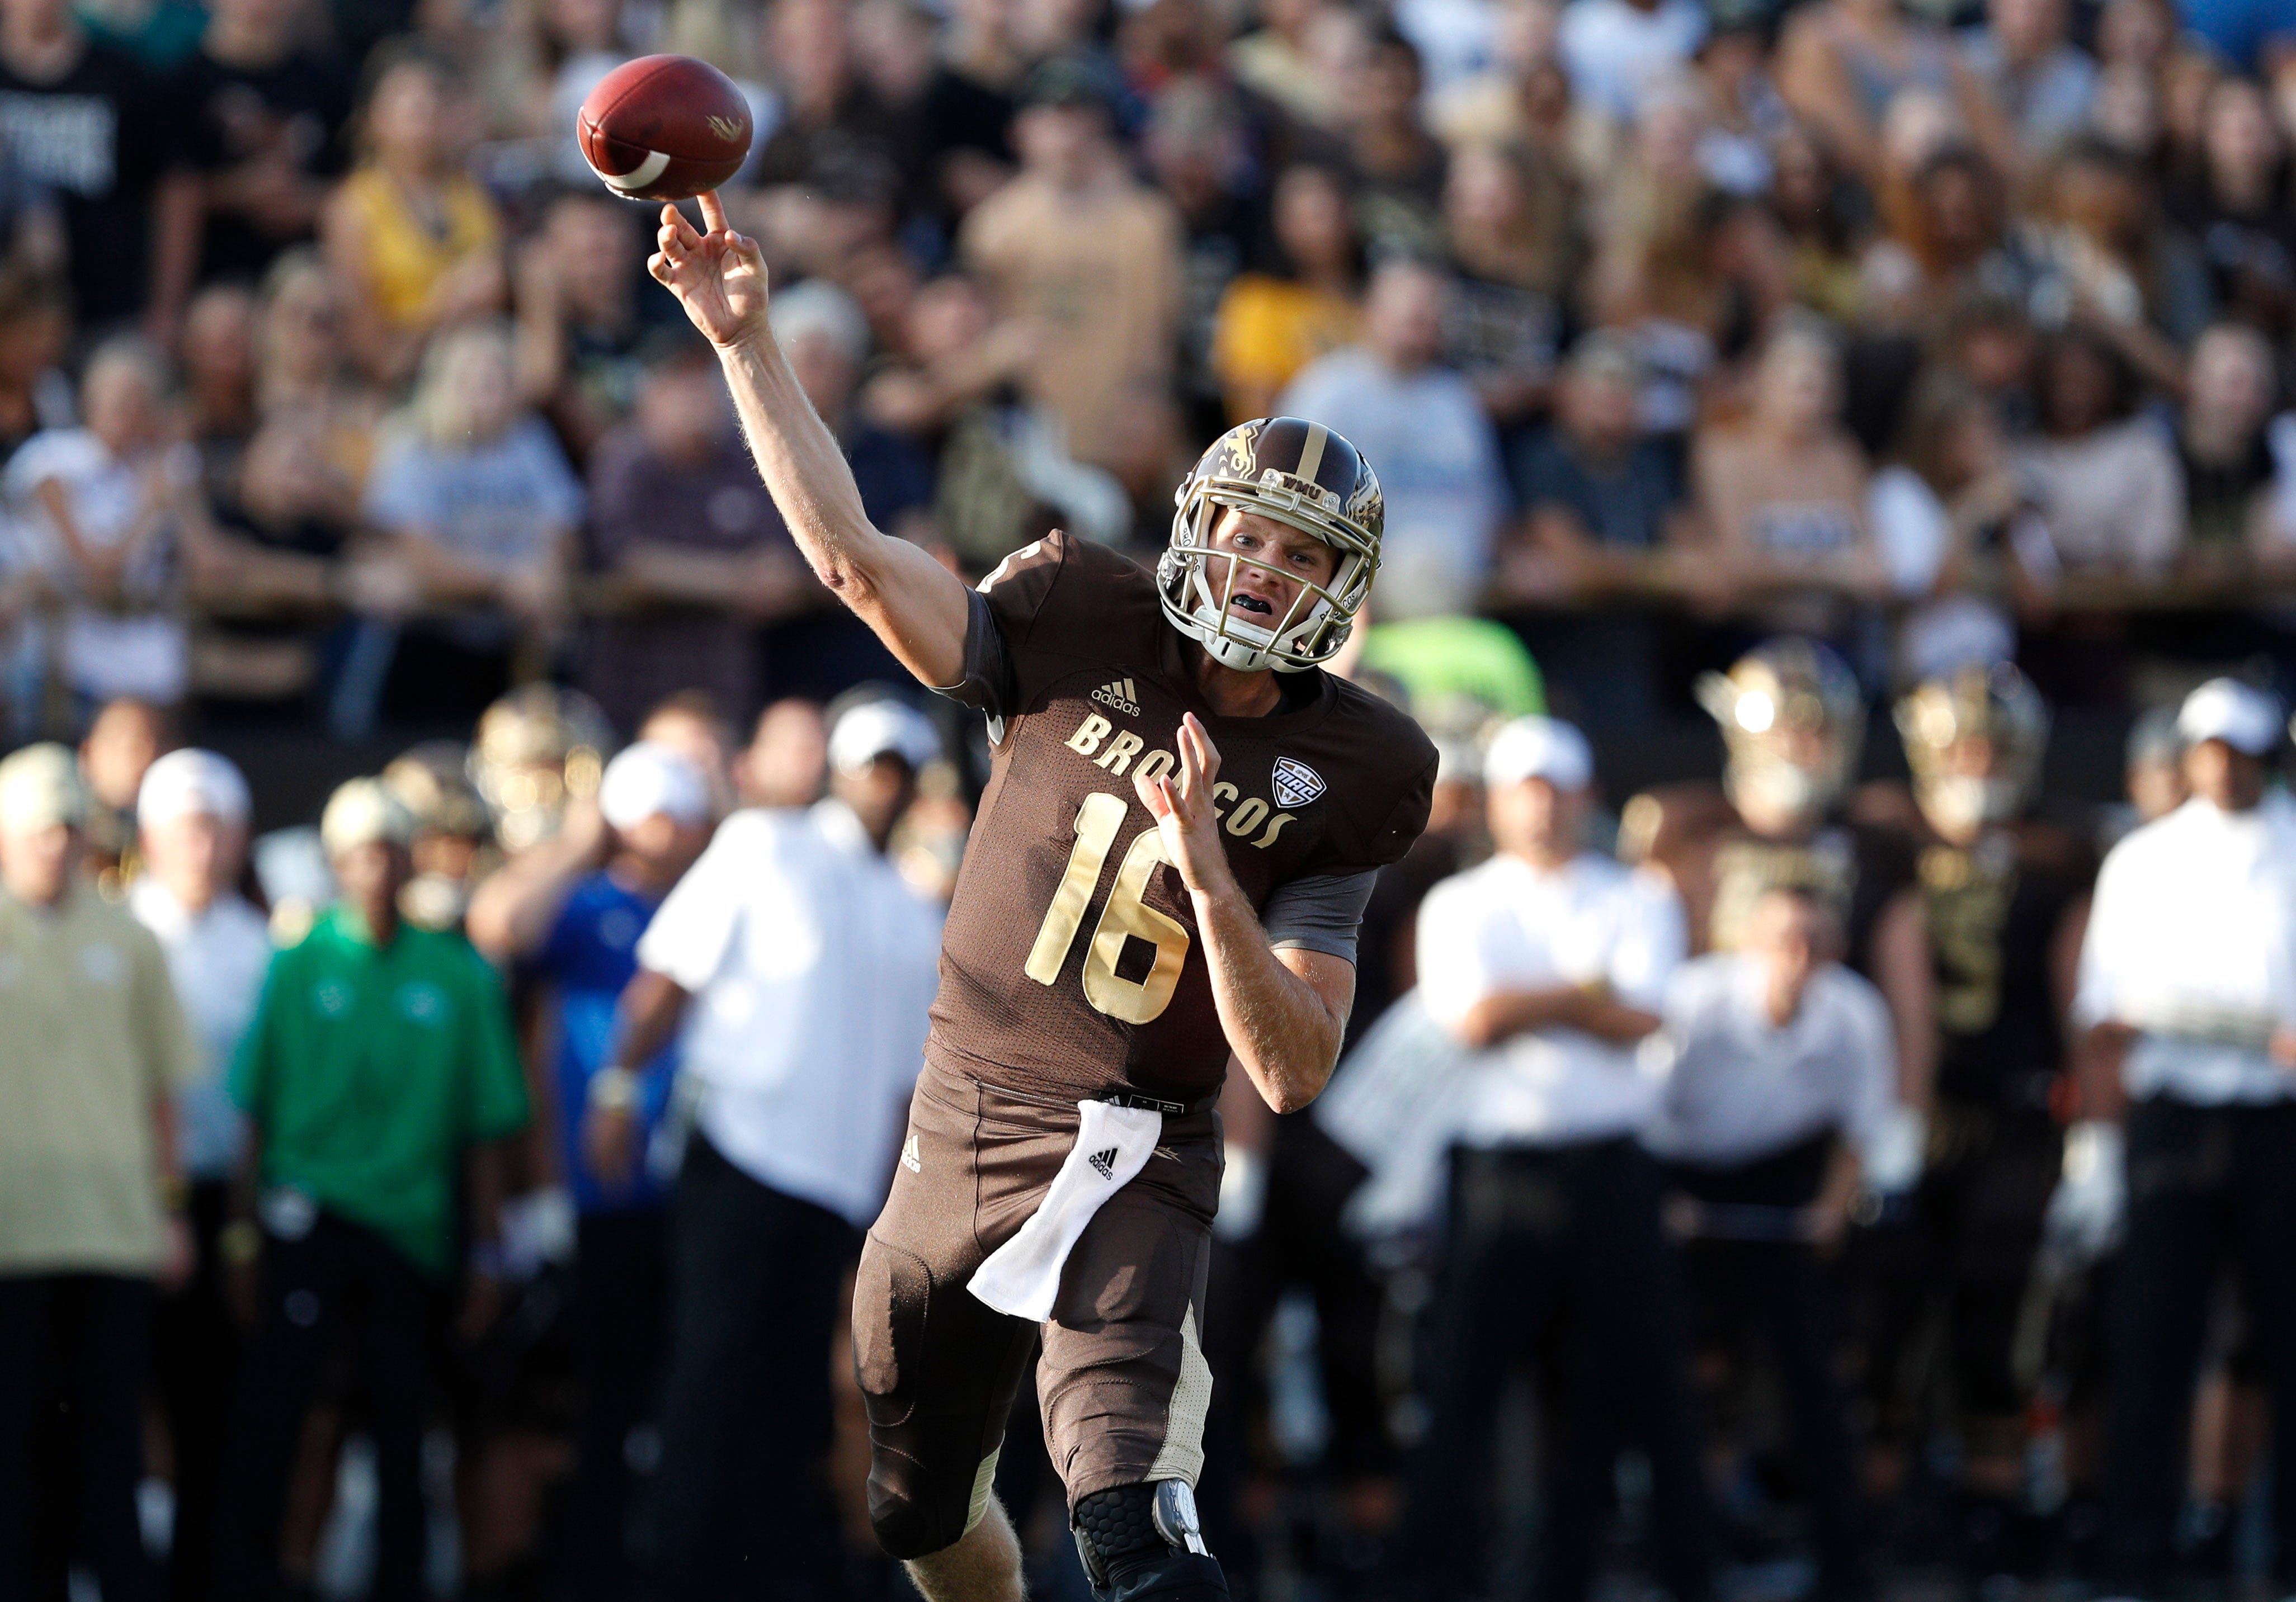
(1126, 914)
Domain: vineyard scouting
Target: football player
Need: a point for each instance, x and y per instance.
(2008, 902)
(1793, 724)
(1181, 828)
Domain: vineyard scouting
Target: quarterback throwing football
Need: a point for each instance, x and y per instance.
(1172, 857)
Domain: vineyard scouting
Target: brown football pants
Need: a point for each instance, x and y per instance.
(1121, 1376)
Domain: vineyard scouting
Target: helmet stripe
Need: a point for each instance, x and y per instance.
(1311, 454)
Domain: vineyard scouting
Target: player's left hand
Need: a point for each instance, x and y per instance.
(1181, 802)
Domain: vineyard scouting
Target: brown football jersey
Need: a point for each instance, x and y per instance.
(1070, 965)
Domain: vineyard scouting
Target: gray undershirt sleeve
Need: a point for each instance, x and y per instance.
(1321, 912)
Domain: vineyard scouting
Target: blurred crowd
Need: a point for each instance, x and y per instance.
(1817, 1182)
(333, 393)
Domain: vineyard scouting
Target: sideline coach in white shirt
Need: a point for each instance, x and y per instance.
(191, 815)
(803, 967)
(1549, 961)
(2187, 973)
(1784, 1073)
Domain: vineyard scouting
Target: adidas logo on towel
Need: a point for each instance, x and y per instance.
(1103, 1163)
(1119, 695)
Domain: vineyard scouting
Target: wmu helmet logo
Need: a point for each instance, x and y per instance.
(1119, 695)
(1295, 783)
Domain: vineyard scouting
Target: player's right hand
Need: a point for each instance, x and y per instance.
(719, 277)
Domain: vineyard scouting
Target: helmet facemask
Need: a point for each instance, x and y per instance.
(1943, 722)
(1319, 619)
(1793, 725)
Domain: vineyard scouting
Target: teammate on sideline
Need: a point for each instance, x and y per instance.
(1063, 1160)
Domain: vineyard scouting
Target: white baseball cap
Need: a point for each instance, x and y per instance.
(2242, 716)
(650, 779)
(191, 782)
(361, 811)
(882, 728)
(1539, 747)
(40, 787)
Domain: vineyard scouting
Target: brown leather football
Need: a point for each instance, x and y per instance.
(664, 127)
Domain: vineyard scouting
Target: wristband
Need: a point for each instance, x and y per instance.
(239, 1243)
(616, 1089)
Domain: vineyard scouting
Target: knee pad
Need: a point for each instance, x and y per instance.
(1141, 1543)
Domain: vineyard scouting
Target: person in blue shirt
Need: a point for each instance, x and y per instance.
(566, 915)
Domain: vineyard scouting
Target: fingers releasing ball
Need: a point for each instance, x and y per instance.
(664, 127)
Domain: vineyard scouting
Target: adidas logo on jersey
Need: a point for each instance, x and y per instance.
(1119, 695)
(909, 1159)
(1103, 1163)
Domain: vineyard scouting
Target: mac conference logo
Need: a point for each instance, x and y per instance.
(1295, 783)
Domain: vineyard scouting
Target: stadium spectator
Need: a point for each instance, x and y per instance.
(2028, 68)
(1947, 492)
(35, 326)
(481, 509)
(1617, 50)
(2239, 212)
(1844, 66)
(2185, 982)
(218, 369)
(2229, 468)
(2103, 477)
(792, 942)
(1549, 962)
(1947, 242)
(191, 817)
(685, 533)
(87, 123)
(1075, 244)
(1511, 217)
(1397, 165)
(264, 114)
(304, 367)
(1604, 509)
(1272, 324)
(1600, 496)
(2106, 260)
(569, 914)
(1422, 422)
(413, 238)
(1785, 495)
(94, 1055)
(119, 510)
(379, 1072)
(580, 335)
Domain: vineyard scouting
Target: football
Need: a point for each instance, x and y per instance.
(664, 127)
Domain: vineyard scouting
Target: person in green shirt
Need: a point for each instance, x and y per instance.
(379, 1076)
(93, 1047)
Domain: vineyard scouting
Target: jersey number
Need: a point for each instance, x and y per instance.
(1129, 1001)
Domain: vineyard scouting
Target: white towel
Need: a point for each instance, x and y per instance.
(1022, 1277)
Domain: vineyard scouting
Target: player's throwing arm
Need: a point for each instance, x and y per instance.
(916, 606)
